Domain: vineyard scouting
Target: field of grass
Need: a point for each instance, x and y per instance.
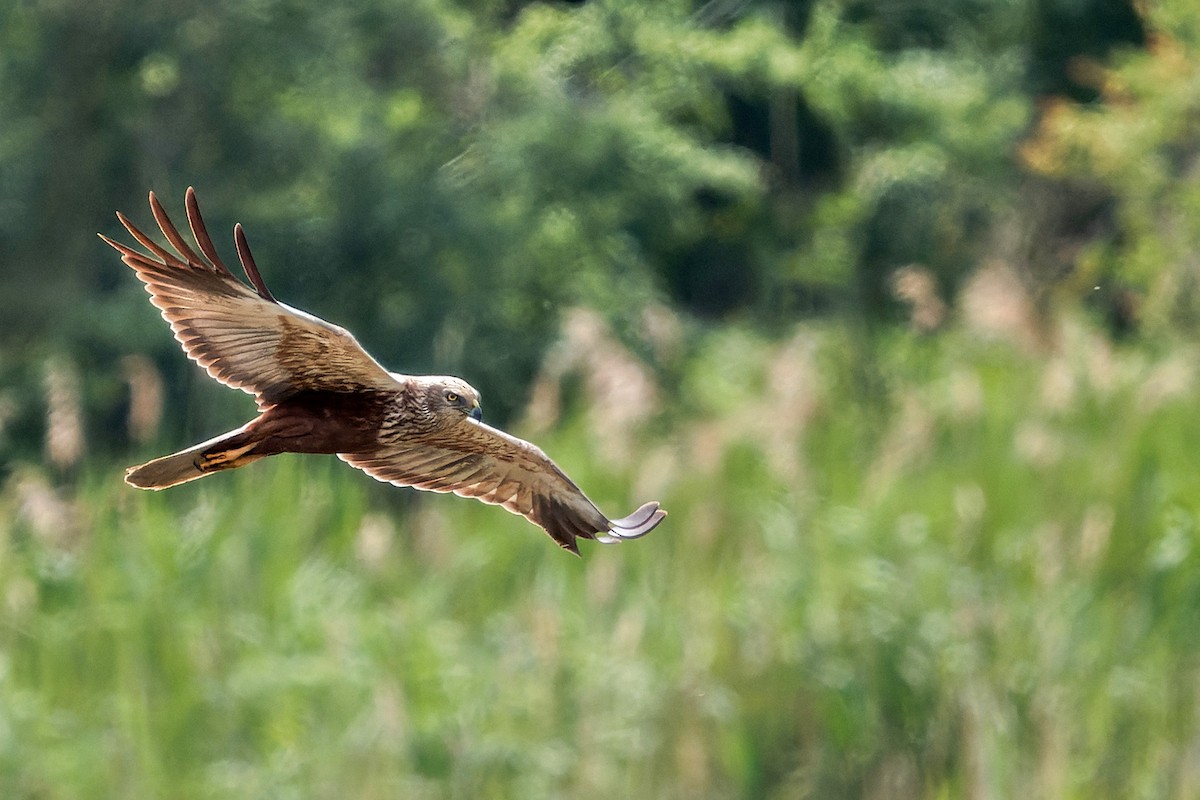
(916, 568)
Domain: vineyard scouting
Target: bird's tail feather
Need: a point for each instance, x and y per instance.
(226, 451)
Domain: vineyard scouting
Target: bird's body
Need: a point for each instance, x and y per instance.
(318, 391)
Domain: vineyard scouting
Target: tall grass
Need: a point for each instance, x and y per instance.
(921, 567)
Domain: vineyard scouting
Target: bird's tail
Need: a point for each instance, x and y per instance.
(226, 451)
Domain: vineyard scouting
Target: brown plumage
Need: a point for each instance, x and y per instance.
(318, 391)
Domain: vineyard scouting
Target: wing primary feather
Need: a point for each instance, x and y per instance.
(634, 526)
(200, 233)
(638, 517)
(124, 250)
(243, 249)
(172, 233)
(149, 243)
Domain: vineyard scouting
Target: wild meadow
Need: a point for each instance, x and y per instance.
(904, 566)
(891, 303)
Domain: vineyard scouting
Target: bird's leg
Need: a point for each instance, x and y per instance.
(228, 458)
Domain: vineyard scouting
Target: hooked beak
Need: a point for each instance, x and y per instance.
(477, 414)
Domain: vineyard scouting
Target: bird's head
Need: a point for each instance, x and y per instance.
(446, 394)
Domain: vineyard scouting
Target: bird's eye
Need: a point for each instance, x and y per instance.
(451, 397)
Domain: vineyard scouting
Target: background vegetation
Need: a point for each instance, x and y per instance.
(892, 304)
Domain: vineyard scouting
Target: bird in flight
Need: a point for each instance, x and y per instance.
(319, 391)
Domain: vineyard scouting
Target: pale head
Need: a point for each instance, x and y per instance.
(445, 394)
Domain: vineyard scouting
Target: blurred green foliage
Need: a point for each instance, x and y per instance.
(444, 178)
(1140, 146)
(982, 582)
(890, 303)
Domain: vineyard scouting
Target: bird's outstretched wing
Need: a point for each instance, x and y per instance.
(472, 459)
(243, 337)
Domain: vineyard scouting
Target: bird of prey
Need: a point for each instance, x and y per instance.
(318, 391)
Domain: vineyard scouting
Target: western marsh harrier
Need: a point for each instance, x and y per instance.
(318, 391)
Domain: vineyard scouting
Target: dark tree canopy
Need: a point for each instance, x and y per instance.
(475, 168)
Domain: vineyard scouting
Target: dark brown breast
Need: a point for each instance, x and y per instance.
(325, 422)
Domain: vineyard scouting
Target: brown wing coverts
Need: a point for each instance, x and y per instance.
(243, 337)
(475, 460)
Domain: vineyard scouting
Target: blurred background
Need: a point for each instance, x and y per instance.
(892, 303)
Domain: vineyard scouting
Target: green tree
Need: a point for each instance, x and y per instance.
(446, 178)
(1139, 147)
